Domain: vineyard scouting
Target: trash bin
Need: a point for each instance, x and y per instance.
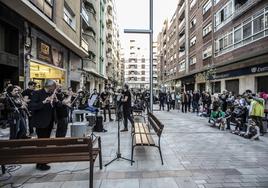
(79, 129)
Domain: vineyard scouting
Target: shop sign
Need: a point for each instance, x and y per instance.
(49, 54)
(43, 51)
(200, 77)
(244, 71)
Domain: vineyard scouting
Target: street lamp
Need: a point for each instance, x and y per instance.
(150, 32)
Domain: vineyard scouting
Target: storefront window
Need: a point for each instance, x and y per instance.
(40, 73)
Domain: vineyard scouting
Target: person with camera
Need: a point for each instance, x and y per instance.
(127, 108)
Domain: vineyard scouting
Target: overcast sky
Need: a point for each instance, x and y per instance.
(135, 14)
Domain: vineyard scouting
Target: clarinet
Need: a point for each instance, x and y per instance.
(13, 103)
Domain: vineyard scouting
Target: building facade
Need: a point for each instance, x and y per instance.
(224, 43)
(113, 46)
(137, 66)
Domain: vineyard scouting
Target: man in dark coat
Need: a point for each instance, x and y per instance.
(42, 107)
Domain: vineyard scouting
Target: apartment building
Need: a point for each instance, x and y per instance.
(225, 45)
(137, 66)
(113, 45)
(42, 40)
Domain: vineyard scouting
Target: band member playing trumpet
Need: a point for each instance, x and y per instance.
(42, 106)
(105, 101)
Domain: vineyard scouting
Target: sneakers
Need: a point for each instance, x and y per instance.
(124, 130)
(42, 167)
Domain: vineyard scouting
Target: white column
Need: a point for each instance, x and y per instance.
(223, 87)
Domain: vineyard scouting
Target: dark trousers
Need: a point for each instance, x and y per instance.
(173, 104)
(189, 106)
(195, 106)
(168, 106)
(258, 121)
(44, 132)
(107, 107)
(30, 125)
(162, 105)
(127, 116)
(62, 127)
(184, 107)
(17, 127)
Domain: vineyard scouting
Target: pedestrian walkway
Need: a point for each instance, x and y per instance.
(195, 156)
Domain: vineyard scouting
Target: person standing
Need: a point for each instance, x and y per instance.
(184, 102)
(173, 98)
(196, 98)
(169, 100)
(62, 112)
(27, 95)
(42, 107)
(15, 109)
(127, 108)
(105, 100)
(162, 100)
(189, 100)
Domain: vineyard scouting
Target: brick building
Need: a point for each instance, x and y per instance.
(222, 45)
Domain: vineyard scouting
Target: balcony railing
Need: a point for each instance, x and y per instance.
(240, 9)
(92, 45)
(89, 18)
(181, 25)
(182, 8)
(90, 65)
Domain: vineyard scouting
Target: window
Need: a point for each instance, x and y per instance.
(182, 66)
(207, 29)
(237, 35)
(258, 24)
(250, 30)
(223, 15)
(192, 23)
(193, 41)
(143, 60)
(247, 30)
(143, 66)
(193, 2)
(207, 52)
(207, 6)
(192, 60)
(69, 16)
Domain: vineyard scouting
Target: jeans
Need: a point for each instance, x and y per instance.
(195, 106)
(107, 107)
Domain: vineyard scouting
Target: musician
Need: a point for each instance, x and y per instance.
(15, 113)
(27, 95)
(105, 100)
(127, 108)
(96, 102)
(42, 106)
(64, 101)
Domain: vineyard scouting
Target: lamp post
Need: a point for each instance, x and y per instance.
(150, 32)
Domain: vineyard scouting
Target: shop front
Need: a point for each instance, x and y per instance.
(188, 83)
(40, 72)
(49, 60)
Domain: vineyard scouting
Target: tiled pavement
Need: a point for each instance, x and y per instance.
(195, 156)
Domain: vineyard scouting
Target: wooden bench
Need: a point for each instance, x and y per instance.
(51, 150)
(138, 113)
(141, 135)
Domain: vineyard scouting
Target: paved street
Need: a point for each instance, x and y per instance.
(195, 156)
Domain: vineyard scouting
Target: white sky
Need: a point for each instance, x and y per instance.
(134, 14)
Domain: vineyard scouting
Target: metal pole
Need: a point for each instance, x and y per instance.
(151, 55)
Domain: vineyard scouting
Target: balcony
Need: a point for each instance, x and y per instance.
(181, 2)
(182, 8)
(90, 66)
(182, 24)
(90, 40)
(242, 6)
(91, 4)
(89, 19)
(182, 39)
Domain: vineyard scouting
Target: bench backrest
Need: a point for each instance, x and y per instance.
(155, 123)
(45, 146)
